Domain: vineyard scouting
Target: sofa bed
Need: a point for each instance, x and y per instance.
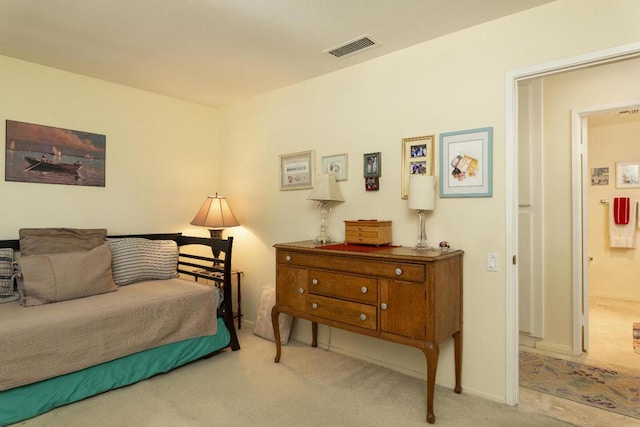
(94, 313)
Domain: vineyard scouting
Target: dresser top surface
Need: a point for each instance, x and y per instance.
(364, 251)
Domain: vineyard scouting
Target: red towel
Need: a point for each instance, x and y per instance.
(621, 210)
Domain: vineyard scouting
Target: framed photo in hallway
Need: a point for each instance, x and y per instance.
(627, 174)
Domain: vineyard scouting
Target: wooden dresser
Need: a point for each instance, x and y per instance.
(396, 294)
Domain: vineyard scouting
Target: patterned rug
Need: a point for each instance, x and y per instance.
(614, 390)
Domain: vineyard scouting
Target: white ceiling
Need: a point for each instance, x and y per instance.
(216, 52)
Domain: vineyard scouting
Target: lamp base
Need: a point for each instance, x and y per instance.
(216, 233)
(422, 238)
(323, 238)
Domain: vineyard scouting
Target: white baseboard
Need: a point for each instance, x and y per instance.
(554, 348)
(528, 340)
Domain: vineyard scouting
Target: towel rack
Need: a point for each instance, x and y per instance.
(604, 201)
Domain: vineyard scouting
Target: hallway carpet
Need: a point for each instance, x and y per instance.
(614, 390)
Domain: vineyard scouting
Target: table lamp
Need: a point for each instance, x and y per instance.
(216, 215)
(326, 190)
(422, 196)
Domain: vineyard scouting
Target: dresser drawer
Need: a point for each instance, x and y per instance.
(352, 313)
(367, 267)
(344, 286)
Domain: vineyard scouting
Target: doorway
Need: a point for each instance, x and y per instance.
(511, 153)
(611, 301)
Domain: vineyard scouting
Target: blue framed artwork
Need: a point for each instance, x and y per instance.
(466, 163)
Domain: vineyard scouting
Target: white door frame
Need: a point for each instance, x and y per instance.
(579, 143)
(511, 188)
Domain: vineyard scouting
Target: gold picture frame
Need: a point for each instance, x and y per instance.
(417, 159)
(296, 170)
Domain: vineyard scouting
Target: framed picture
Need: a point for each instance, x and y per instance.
(600, 176)
(296, 170)
(627, 174)
(373, 165)
(417, 159)
(372, 183)
(466, 163)
(51, 155)
(336, 165)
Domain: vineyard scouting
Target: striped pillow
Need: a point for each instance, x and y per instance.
(7, 271)
(137, 259)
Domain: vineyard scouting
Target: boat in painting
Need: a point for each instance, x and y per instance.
(44, 164)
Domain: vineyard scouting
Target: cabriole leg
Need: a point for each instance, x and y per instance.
(431, 352)
(275, 321)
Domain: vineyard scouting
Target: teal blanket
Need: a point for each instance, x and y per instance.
(24, 402)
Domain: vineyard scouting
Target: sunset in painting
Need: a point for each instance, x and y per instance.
(50, 155)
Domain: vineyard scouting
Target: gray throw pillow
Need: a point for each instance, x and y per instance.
(39, 241)
(59, 277)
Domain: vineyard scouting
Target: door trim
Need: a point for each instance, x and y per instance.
(511, 188)
(579, 142)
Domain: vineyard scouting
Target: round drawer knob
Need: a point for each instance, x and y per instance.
(383, 306)
(314, 306)
(364, 290)
(314, 281)
(363, 317)
(398, 271)
(301, 291)
(288, 258)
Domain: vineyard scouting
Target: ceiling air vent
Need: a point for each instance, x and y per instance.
(353, 46)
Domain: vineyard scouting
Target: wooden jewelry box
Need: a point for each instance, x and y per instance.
(367, 232)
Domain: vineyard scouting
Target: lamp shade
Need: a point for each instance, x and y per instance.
(422, 192)
(326, 189)
(215, 213)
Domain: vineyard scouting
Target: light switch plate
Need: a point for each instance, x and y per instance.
(492, 261)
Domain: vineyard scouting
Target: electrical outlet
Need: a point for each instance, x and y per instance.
(492, 261)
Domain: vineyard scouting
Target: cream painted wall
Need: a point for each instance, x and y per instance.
(160, 151)
(596, 86)
(165, 155)
(455, 82)
(614, 272)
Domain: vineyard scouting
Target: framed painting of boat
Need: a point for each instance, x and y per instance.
(51, 155)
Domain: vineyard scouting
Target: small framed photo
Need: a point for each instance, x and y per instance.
(373, 165)
(417, 159)
(627, 174)
(372, 183)
(336, 164)
(466, 163)
(296, 170)
(600, 176)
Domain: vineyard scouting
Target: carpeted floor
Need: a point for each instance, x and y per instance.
(309, 387)
(614, 390)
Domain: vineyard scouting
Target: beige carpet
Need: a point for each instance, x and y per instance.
(309, 387)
